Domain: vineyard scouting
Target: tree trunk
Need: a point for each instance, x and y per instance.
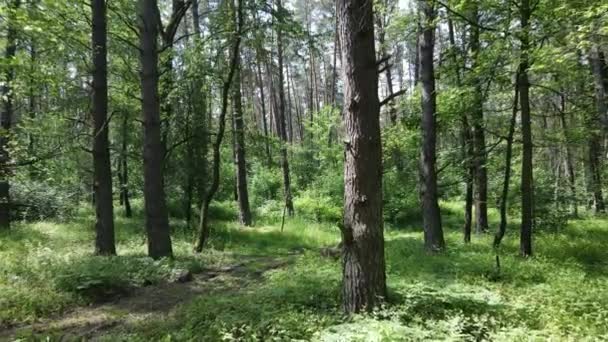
(196, 21)
(263, 105)
(289, 106)
(479, 139)
(508, 156)
(334, 70)
(239, 149)
(527, 182)
(104, 210)
(204, 231)
(157, 219)
(433, 232)
(281, 120)
(364, 277)
(598, 68)
(466, 146)
(6, 116)
(124, 185)
(569, 156)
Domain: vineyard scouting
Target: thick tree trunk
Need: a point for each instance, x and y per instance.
(508, 156)
(203, 234)
(527, 181)
(157, 219)
(479, 138)
(598, 68)
(433, 232)
(6, 116)
(104, 210)
(281, 121)
(239, 149)
(364, 278)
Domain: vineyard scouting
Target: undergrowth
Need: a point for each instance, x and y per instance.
(458, 295)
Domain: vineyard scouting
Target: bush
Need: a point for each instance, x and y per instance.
(265, 184)
(317, 207)
(38, 200)
(98, 278)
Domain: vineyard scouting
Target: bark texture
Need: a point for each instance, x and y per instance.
(281, 127)
(6, 116)
(364, 278)
(239, 150)
(527, 181)
(594, 120)
(479, 137)
(433, 232)
(157, 219)
(102, 184)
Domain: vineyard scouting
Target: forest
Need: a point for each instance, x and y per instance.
(303, 170)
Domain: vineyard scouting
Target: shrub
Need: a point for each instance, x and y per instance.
(34, 200)
(317, 207)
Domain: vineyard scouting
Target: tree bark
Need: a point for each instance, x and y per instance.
(527, 181)
(104, 210)
(204, 230)
(196, 21)
(281, 120)
(594, 121)
(157, 219)
(466, 146)
(569, 156)
(239, 149)
(6, 116)
(433, 232)
(260, 81)
(124, 170)
(479, 138)
(364, 277)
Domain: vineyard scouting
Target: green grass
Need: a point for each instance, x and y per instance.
(560, 294)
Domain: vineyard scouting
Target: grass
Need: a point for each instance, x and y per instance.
(559, 294)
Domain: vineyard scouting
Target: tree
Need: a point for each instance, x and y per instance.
(479, 139)
(203, 233)
(527, 181)
(281, 127)
(104, 225)
(364, 278)
(502, 228)
(157, 219)
(433, 232)
(7, 114)
(594, 120)
(239, 148)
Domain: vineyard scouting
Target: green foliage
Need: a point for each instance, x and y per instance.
(264, 184)
(458, 295)
(318, 207)
(39, 200)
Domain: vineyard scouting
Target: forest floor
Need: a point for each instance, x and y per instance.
(262, 283)
(150, 302)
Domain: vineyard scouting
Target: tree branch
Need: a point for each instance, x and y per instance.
(392, 97)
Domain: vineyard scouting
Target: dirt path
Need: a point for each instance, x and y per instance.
(156, 301)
